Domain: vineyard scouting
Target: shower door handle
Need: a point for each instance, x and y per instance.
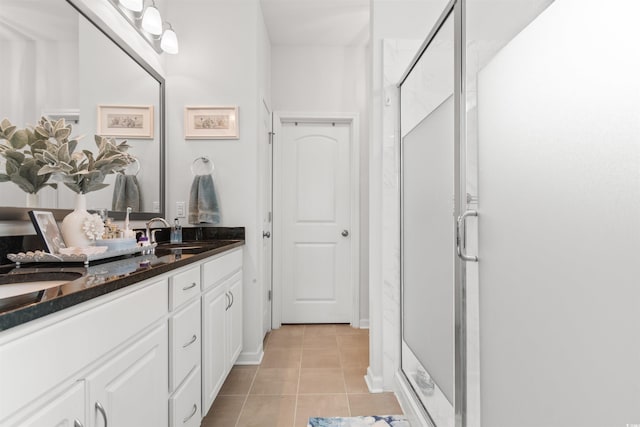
(461, 236)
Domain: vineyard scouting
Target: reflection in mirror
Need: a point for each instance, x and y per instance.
(58, 63)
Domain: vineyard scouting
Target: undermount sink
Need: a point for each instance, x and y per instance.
(12, 285)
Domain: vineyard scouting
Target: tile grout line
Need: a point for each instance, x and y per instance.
(295, 407)
(344, 379)
(253, 380)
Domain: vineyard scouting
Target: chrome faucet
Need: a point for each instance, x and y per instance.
(152, 235)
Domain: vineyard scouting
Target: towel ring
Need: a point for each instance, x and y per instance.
(202, 166)
(127, 169)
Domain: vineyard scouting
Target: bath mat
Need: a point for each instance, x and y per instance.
(370, 421)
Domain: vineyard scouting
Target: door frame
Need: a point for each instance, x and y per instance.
(266, 164)
(354, 201)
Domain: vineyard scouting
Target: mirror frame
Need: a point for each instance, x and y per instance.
(21, 214)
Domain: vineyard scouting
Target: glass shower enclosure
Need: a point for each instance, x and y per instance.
(520, 199)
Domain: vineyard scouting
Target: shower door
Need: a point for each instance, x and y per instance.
(429, 174)
(552, 100)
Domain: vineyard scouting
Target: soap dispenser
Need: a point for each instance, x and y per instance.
(176, 231)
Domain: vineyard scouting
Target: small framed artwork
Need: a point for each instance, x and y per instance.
(47, 229)
(126, 121)
(211, 123)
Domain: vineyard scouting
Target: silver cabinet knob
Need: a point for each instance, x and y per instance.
(345, 233)
(266, 234)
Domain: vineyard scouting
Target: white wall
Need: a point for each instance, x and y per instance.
(329, 79)
(219, 64)
(410, 20)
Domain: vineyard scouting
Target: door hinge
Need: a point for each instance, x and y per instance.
(269, 295)
(269, 217)
(271, 137)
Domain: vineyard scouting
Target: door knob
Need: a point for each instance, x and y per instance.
(266, 234)
(345, 233)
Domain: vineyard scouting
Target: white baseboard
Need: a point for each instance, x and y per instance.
(247, 358)
(364, 323)
(409, 403)
(374, 383)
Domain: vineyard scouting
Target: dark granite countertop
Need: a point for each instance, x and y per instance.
(85, 283)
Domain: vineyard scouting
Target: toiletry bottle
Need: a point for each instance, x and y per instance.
(176, 231)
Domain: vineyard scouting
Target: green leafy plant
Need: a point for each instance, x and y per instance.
(81, 171)
(19, 147)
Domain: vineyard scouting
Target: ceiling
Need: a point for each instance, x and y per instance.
(317, 22)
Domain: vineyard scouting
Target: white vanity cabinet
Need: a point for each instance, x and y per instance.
(66, 409)
(185, 348)
(221, 321)
(154, 353)
(40, 360)
(130, 389)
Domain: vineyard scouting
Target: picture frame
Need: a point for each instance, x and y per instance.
(125, 121)
(209, 122)
(47, 228)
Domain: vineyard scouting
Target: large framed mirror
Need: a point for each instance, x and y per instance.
(61, 62)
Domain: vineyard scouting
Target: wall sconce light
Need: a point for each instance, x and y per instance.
(148, 23)
(133, 5)
(151, 20)
(169, 40)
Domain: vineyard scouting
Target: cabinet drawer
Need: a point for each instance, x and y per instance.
(219, 268)
(185, 403)
(183, 286)
(185, 342)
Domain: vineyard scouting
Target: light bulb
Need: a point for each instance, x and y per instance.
(169, 42)
(133, 5)
(151, 21)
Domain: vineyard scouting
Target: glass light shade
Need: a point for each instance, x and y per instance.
(151, 21)
(169, 42)
(133, 5)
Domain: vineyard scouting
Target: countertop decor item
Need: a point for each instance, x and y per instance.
(83, 255)
(22, 167)
(47, 229)
(80, 171)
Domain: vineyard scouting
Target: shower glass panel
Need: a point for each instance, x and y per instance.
(552, 103)
(428, 231)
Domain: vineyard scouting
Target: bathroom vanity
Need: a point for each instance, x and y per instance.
(139, 341)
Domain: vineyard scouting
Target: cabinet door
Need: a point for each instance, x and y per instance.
(66, 410)
(234, 316)
(214, 362)
(131, 389)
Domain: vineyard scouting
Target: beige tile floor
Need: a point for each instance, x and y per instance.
(307, 370)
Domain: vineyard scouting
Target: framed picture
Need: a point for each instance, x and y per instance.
(211, 123)
(126, 121)
(47, 229)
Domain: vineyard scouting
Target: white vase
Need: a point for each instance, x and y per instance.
(33, 200)
(72, 224)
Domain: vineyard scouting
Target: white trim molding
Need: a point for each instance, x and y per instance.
(253, 358)
(375, 384)
(353, 121)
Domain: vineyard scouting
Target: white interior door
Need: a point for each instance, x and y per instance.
(267, 218)
(315, 211)
(559, 202)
